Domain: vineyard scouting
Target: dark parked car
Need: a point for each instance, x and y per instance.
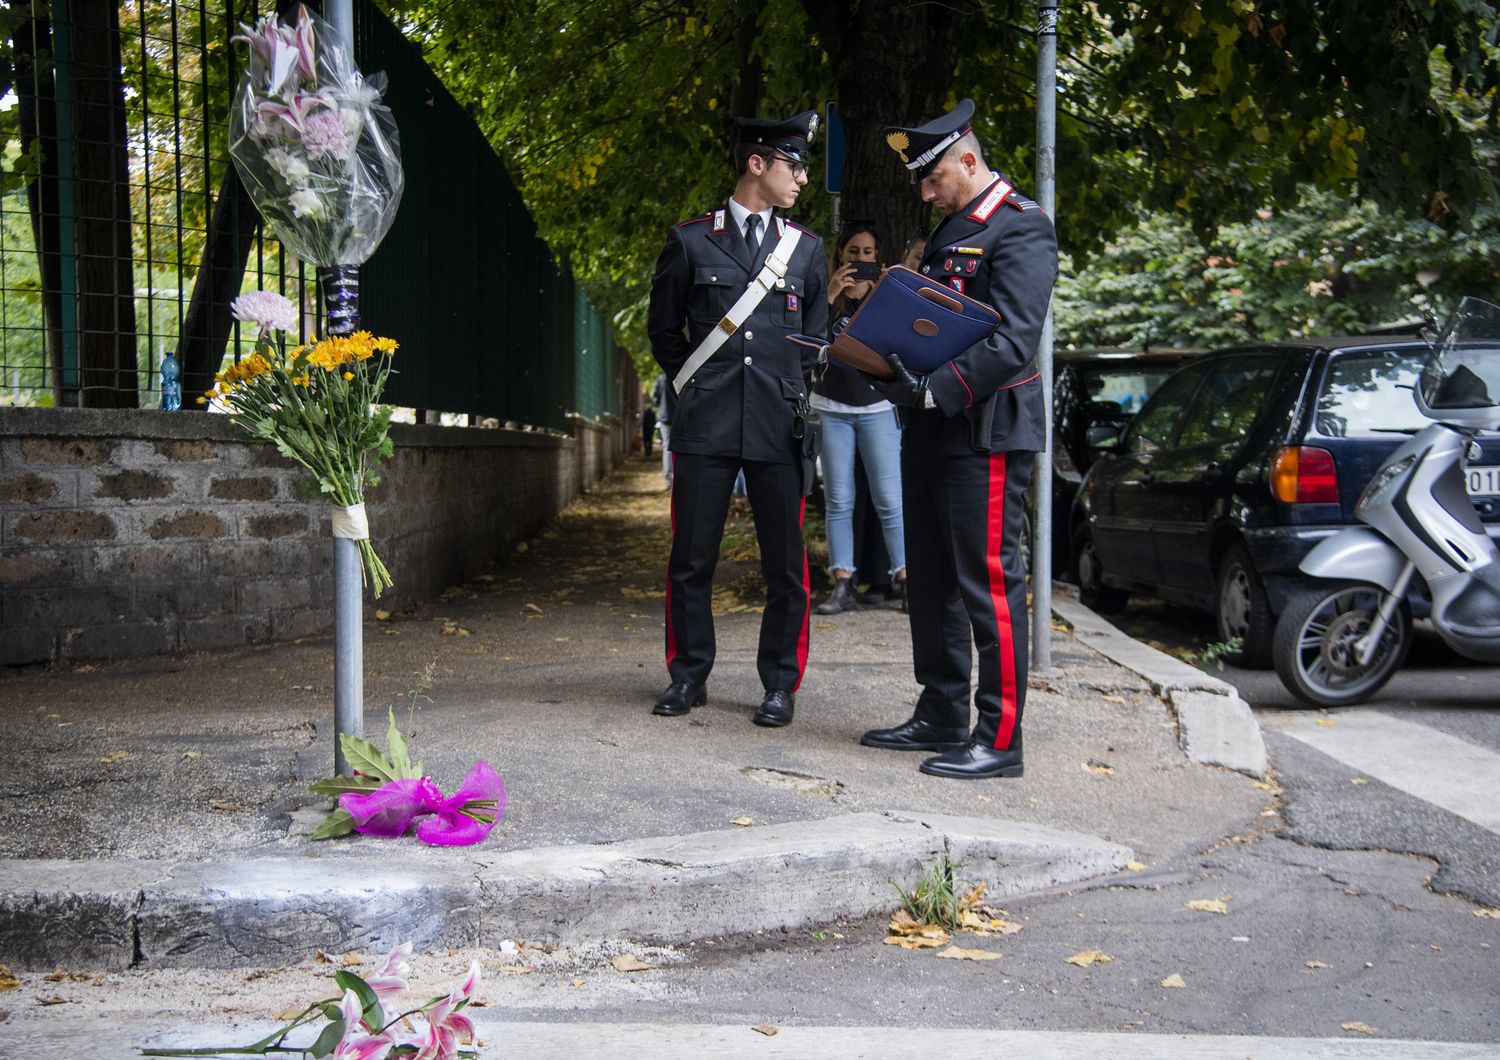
(1095, 393)
(1238, 465)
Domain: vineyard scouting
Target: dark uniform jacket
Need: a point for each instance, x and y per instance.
(743, 400)
(999, 249)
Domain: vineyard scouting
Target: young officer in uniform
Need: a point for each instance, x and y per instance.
(744, 407)
(973, 428)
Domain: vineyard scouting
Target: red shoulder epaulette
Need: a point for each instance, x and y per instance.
(991, 202)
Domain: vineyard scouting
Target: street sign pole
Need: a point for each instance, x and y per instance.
(1046, 196)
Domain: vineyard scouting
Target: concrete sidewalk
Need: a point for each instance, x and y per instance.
(156, 810)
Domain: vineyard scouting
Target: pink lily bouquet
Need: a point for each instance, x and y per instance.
(360, 1027)
(388, 793)
(315, 147)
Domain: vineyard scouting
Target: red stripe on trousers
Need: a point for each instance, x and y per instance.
(806, 607)
(1001, 603)
(671, 634)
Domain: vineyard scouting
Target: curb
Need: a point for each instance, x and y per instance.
(667, 889)
(1214, 724)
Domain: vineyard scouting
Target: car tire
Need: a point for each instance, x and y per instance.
(1242, 610)
(1087, 572)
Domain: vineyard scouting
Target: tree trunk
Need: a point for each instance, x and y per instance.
(36, 107)
(106, 267)
(207, 325)
(893, 63)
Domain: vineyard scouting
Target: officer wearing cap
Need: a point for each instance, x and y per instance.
(972, 431)
(744, 407)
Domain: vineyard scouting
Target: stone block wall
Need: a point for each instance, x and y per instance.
(127, 532)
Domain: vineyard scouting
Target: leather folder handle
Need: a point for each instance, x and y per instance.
(941, 299)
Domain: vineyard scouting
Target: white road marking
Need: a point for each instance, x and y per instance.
(1444, 770)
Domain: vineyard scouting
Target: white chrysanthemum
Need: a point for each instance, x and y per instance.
(305, 203)
(266, 308)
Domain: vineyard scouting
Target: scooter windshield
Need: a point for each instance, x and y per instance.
(1460, 383)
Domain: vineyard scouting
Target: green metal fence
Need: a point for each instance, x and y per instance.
(107, 243)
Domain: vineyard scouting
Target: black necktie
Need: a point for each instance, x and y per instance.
(752, 238)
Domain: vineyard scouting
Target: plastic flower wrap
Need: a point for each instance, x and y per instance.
(313, 144)
(318, 404)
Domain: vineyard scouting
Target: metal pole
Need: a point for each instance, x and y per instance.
(1046, 197)
(340, 13)
(348, 650)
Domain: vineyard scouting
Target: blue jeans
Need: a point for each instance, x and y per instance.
(878, 441)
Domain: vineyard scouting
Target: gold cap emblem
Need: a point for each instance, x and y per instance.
(899, 142)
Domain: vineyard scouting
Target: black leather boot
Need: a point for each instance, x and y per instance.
(841, 600)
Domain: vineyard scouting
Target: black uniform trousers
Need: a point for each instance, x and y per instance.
(965, 577)
(701, 487)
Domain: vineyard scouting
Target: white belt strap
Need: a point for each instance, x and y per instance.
(759, 286)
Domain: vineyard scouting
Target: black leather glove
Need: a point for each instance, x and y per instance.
(905, 388)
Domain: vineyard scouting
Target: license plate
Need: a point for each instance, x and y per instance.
(1483, 481)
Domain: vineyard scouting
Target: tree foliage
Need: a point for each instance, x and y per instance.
(614, 116)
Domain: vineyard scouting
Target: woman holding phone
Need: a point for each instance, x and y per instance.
(856, 420)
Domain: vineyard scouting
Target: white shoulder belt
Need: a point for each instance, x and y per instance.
(760, 285)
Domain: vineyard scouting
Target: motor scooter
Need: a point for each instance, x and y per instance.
(1340, 641)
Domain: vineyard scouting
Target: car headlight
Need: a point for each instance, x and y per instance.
(1382, 480)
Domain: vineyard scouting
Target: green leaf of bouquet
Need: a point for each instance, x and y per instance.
(403, 1050)
(336, 786)
(396, 748)
(337, 823)
(366, 757)
(373, 1014)
(328, 1040)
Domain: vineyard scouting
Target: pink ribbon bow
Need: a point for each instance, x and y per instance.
(390, 809)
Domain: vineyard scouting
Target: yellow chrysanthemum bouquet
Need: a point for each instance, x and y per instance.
(318, 403)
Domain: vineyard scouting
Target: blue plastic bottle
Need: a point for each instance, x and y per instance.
(171, 382)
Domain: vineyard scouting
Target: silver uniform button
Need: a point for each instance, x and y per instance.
(713, 279)
(749, 360)
(780, 283)
(926, 268)
(749, 335)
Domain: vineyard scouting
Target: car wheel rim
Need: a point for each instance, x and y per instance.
(1234, 604)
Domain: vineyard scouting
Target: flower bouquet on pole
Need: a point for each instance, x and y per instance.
(318, 154)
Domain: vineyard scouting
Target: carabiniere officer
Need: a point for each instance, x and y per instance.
(744, 407)
(972, 431)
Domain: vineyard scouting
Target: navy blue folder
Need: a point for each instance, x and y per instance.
(924, 323)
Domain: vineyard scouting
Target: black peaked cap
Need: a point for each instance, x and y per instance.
(922, 148)
(791, 136)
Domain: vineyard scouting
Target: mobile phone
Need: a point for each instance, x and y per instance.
(864, 270)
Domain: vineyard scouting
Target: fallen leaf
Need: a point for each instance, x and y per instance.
(532, 609)
(1358, 780)
(969, 920)
(1316, 964)
(577, 983)
(768, 1029)
(1261, 785)
(1325, 722)
(919, 942)
(1208, 905)
(958, 953)
(515, 969)
(1492, 914)
(743, 822)
(227, 807)
(261, 973)
(1358, 1027)
(1098, 768)
(60, 976)
(114, 756)
(382, 616)
(970, 900)
(55, 999)
(1135, 866)
(1084, 958)
(352, 958)
(1174, 982)
(192, 754)
(825, 625)
(323, 957)
(7, 980)
(1112, 699)
(628, 962)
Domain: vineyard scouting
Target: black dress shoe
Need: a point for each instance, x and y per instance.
(915, 735)
(842, 599)
(776, 709)
(679, 698)
(974, 761)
